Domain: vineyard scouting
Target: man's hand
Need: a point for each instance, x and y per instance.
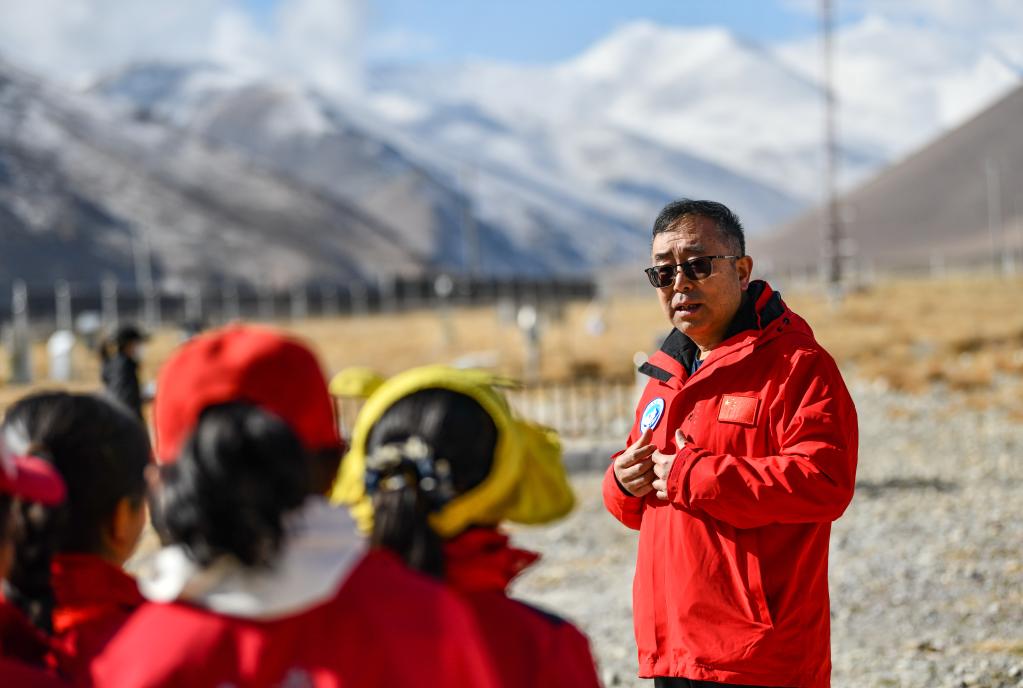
(633, 467)
(662, 467)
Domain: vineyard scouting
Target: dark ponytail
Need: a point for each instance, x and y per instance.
(28, 583)
(101, 452)
(456, 431)
(238, 475)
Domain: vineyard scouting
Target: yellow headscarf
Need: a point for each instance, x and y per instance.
(526, 484)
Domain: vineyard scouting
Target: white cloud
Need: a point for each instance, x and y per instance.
(319, 41)
(401, 44)
(961, 15)
(981, 20)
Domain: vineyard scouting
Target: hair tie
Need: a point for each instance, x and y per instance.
(396, 465)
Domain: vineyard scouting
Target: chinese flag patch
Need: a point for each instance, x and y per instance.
(738, 409)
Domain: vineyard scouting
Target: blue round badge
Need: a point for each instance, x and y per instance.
(651, 414)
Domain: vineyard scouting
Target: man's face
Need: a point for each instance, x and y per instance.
(701, 309)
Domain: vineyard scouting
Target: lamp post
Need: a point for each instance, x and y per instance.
(834, 220)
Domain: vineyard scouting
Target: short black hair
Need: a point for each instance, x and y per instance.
(239, 474)
(727, 222)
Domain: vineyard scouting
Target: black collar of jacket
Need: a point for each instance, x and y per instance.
(684, 350)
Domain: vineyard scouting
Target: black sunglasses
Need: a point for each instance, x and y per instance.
(697, 268)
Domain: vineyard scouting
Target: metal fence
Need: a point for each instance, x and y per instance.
(57, 305)
(597, 410)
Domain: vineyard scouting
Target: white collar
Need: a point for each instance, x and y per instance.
(321, 548)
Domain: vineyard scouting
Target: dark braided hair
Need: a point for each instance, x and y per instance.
(101, 451)
(455, 429)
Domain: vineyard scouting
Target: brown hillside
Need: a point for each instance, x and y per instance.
(933, 205)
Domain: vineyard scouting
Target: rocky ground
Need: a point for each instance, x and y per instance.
(926, 564)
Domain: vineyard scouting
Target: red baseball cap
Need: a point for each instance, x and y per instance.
(30, 478)
(243, 363)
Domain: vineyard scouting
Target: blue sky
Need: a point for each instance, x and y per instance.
(550, 30)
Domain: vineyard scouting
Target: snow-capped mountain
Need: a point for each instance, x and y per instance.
(625, 122)
(527, 153)
(83, 188)
(528, 169)
(450, 209)
(750, 109)
(702, 93)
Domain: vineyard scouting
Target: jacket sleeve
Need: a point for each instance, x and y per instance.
(810, 478)
(621, 504)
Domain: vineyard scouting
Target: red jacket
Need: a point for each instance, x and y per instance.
(529, 647)
(731, 577)
(93, 599)
(16, 673)
(24, 651)
(386, 626)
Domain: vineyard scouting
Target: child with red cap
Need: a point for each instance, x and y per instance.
(67, 575)
(261, 581)
(23, 649)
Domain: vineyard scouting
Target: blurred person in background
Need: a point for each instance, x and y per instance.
(742, 454)
(24, 650)
(261, 581)
(445, 462)
(68, 574)
(120, 356)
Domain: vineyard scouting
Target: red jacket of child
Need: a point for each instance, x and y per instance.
(378, 624)
(24, 652)
(93, 600)
(529, 647)
(731, 579)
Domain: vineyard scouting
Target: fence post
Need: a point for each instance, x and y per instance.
(299, 302)
(329, 305)
(20, 346)
(59, 349)
(443, 286)
(151, 307)
(231, 311)
(62, 294)
(538, 410)
(108, 302)
(359, 298)
(266, 303)
(557, 408)
(385, 285)
(193, 304)
(528, 320)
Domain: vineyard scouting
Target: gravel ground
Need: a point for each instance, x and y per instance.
(926, 564)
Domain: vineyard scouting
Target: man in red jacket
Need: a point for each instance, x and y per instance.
(742, 454)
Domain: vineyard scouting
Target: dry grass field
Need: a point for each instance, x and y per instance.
(963, 334)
